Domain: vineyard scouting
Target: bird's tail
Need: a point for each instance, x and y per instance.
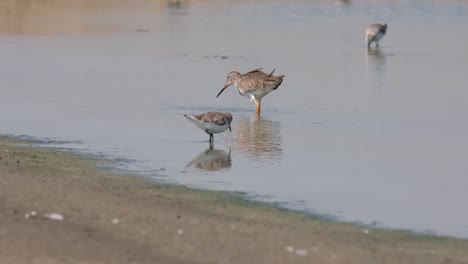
(279, 76)
(195, 121)
(271, 73)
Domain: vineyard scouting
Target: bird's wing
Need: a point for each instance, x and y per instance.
(258, 70)
(251, 83)
(269, 79)
(216, 118)
(258, 79)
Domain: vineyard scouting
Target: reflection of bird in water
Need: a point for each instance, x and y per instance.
(258, 137)
(212, 160)
(176, 3)
(346, 2)
(376, 59)
(376, 69)
(177, 7)
(376, 56)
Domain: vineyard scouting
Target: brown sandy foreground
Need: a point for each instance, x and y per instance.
(113, 218)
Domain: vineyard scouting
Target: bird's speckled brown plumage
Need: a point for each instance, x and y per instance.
(215, 117)
(257, 79)
(253, 84)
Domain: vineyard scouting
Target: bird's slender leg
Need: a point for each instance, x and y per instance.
(257, 104)
(211, 136)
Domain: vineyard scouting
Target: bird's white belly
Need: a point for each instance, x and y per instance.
(214, 129)
(208, 126)
(379, 36)
(256, 93)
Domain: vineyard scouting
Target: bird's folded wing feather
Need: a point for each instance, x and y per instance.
(259, 70)
(272, 79)
(251, 83)
(215, 118)
(258, 79)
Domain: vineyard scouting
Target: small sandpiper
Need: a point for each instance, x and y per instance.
(253, 85)
(375, 33)
(212, 122)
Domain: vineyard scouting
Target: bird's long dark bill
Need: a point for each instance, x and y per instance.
(222, 90)
(230, 130)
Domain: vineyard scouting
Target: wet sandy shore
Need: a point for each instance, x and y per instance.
(111, 218)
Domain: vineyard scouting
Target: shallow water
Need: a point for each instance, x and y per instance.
(377, 137)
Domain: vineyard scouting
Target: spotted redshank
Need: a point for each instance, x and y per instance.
(253, 85)
(375, 33)
(212, 122)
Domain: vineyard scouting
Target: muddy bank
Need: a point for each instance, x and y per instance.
(110, 218)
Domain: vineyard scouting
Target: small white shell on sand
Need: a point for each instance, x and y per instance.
(54, 216)
(289, 249)
(180, 231)
(115, 221)
(30, 214)
(301, 252)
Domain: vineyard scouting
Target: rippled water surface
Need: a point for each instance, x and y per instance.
(378, 136)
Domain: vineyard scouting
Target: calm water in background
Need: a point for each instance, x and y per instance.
(374, 137)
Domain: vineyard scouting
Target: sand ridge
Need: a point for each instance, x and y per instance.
(114, 218)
